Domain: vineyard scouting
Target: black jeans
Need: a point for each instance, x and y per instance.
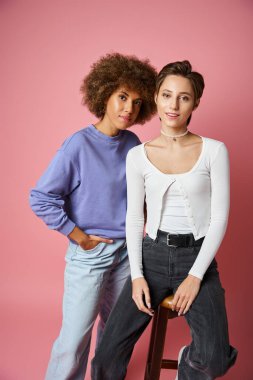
(208, 356)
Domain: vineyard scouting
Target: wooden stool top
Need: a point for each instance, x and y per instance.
(167, 302)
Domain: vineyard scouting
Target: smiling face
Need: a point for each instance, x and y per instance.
(122, 108)
(175, 101)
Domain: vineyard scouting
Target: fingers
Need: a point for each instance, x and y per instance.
(147, 297)
(184, 307)
(175, 301)
(88, 245)
(141, 293)
(186, 294)
(188, 305)
(179, 303)
(182, 303)
(138, 299)
(100, 239)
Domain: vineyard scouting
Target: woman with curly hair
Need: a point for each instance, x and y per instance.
(82, 194)
(184, 179)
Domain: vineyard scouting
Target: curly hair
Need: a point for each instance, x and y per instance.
(116, 70)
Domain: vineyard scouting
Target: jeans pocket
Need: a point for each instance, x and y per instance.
(86, 254)
(147, 242)
(79, 249)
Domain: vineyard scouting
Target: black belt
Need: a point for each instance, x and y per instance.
(178, 240)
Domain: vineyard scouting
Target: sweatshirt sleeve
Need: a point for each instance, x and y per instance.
(48, 198)
(220, 199)
(135, 216)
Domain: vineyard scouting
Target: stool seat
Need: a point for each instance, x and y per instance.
(167, 302)
(155, 361)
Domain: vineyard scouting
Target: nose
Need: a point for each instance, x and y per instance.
(174, 103)
(129, 106)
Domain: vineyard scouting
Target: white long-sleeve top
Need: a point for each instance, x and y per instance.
(205, 189)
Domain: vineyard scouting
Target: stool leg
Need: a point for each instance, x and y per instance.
(158, 339)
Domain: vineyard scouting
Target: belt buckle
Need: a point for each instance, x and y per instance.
(168, 242)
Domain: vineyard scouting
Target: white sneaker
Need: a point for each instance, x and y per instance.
(179, 358)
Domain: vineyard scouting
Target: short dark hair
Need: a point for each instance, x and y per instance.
(116, 70)
(183, 69)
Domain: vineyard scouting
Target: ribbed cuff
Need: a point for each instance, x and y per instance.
(67, 227)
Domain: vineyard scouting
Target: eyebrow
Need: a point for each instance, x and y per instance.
(180, 93)
(125, 93)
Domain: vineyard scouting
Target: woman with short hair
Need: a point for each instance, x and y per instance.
(184, 180)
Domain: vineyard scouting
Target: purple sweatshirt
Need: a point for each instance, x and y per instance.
(85, 184)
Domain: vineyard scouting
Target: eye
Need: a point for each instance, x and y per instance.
(138, 102)
(165, 95)
(185, 98)
(122, 97)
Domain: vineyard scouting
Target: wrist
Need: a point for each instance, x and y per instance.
(136, 279)
(78, 236)
(194, 278)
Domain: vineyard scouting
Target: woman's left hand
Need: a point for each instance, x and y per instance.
(186, 294)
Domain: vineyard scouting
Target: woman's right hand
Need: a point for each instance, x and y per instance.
(85, 241)
(140, 293)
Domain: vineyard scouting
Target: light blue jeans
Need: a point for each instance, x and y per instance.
(93, 281)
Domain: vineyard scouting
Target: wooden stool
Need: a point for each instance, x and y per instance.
(155, 359)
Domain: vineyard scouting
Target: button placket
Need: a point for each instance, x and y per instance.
(163, 191)
(188, 207)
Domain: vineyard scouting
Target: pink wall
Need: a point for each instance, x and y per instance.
(46, 48)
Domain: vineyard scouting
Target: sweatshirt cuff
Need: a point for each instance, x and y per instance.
(67, 227)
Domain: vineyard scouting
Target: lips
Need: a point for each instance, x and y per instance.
(172, 115)
(127, 119)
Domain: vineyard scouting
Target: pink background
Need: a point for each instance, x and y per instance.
(47, 47)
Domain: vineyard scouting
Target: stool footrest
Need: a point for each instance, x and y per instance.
(169, 364)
